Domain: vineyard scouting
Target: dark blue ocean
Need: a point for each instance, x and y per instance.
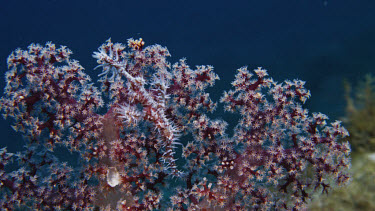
(320, 42)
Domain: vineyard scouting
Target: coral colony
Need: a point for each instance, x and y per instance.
(131, 158)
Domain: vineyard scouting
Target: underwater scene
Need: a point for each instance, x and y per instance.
(187, 105)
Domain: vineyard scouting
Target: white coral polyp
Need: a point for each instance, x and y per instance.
(113, 177)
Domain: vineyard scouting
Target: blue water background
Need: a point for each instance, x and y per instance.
(320, 42)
